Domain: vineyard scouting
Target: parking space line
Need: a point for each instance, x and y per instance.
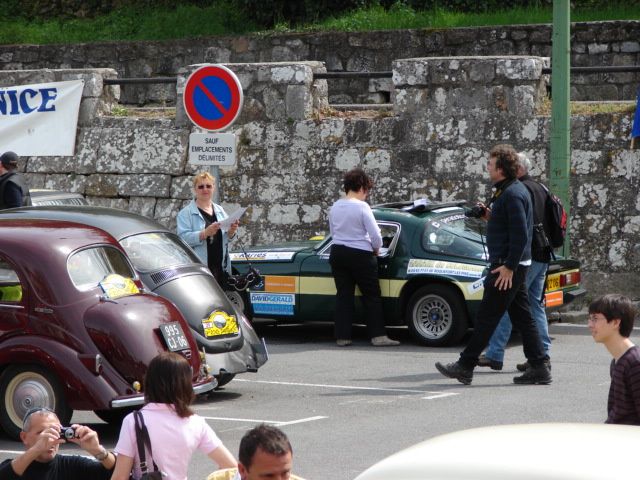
(352, 387)
(274, 422)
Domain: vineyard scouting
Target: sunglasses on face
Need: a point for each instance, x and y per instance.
(207, 186)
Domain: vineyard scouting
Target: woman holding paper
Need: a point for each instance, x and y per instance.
(199, 226)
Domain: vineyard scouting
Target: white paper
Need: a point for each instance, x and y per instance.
(226, 223)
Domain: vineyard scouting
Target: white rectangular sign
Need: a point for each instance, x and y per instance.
(40, 119)
(212, 149)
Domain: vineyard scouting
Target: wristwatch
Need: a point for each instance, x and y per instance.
(102, 456)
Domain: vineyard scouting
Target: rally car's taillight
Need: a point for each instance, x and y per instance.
(571, 278)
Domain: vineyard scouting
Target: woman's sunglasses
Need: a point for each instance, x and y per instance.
(202, 187)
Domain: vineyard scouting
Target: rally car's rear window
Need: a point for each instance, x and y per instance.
(451, 233)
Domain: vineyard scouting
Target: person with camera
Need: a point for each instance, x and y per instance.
(509, 219)
(42, 434)
(199, 227)
(540, 258)
(175, 432)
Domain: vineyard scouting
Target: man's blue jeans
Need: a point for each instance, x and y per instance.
(535, 287)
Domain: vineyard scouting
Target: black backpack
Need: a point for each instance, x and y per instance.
(556, 219)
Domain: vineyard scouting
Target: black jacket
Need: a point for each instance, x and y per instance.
(13, 191)
(540, 249)
(510, 225)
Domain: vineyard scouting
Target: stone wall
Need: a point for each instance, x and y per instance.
(592, 44)
(292, 153)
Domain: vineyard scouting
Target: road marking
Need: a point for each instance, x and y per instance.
(351, 387)
(275, 422)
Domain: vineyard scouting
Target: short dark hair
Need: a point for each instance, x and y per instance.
(267, 438)
(355, 179)
(506, 160)
(9, 160)
(615, 306)
(168, 380)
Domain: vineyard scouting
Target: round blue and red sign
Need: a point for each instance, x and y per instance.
(213, 97)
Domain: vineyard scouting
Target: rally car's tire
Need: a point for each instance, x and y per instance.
(240, 300)
(23, 387)
(436, 315)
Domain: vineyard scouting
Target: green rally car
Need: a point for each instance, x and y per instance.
(431, 269)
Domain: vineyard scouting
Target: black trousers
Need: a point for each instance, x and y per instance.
(494, 303)
(351, 267)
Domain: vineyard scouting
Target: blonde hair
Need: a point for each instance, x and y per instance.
(203, 176)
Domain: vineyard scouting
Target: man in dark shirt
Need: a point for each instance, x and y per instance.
(14, 191)
(611, 320)
(41, 435)
(509, 232)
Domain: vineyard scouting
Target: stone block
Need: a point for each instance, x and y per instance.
(68, 182)
(144, 206)
(524, 69)
(298, 102)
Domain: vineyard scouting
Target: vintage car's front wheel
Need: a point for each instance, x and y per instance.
(24, 387)
(436, 315)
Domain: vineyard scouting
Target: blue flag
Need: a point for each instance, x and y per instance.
(635, 131)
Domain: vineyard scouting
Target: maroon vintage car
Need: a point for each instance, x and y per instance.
(76, 330)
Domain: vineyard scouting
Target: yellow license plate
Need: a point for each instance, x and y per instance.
(553, 283)
(211, 330)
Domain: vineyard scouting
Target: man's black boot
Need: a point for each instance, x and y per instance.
(457, 371)
(534, 376)
(522, 367)
(484, 361)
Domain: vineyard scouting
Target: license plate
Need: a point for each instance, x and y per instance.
(219, 324)
(553, 283)
(174, 337)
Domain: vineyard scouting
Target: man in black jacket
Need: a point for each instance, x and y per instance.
(41, 435)
(540, 258)
(509, 232)
(14, 191)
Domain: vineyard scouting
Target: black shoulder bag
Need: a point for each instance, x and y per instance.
(142, 439)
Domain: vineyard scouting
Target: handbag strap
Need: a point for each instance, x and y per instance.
(142, 439)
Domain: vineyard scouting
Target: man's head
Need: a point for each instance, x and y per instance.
(265, 453)
(609, 315)
(503, 160)
(35, 422)
(8, 161)
(523, 165)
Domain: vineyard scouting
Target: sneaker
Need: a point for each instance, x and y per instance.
(457, 371)
(484, 361)
(523, 367)
(343, 342)
(534, 376)
(384, 341)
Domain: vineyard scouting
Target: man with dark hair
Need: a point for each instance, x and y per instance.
(265, 453)
(611, 319)
(536, 276)
(41, 435)
(509, 230)
(14, 191)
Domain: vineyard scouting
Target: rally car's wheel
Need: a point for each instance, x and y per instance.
(24, 387)
(436, 315)
(240, 300)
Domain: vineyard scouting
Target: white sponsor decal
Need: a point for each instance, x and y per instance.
(40, 119)
(261, 256)
(476, 286)
(417, 266)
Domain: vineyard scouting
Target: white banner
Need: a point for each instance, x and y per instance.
(40, 120)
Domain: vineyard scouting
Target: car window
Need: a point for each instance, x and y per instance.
(10, 287)
(388, 231)
(155, 251)
(87, 268)
(452, 233)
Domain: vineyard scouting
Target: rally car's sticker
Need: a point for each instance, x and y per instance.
(272, 303)
(261, 256)
(452, 218)
(279, 284)
(475, 286)
(418, 266)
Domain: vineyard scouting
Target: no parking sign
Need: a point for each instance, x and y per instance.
(213, 97)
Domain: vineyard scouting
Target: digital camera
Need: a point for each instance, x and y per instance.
(67, 433)
(477, 211)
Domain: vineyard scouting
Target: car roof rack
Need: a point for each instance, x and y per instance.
(420, 205)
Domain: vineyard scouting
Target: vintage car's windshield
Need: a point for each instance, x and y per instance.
(158, 250)
(450, 232)
(87, 268)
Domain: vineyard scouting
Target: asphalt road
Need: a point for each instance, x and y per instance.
(346, 408)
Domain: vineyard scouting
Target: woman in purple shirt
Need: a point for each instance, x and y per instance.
(356, 242)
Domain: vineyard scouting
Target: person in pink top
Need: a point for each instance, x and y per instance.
(175, 430)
